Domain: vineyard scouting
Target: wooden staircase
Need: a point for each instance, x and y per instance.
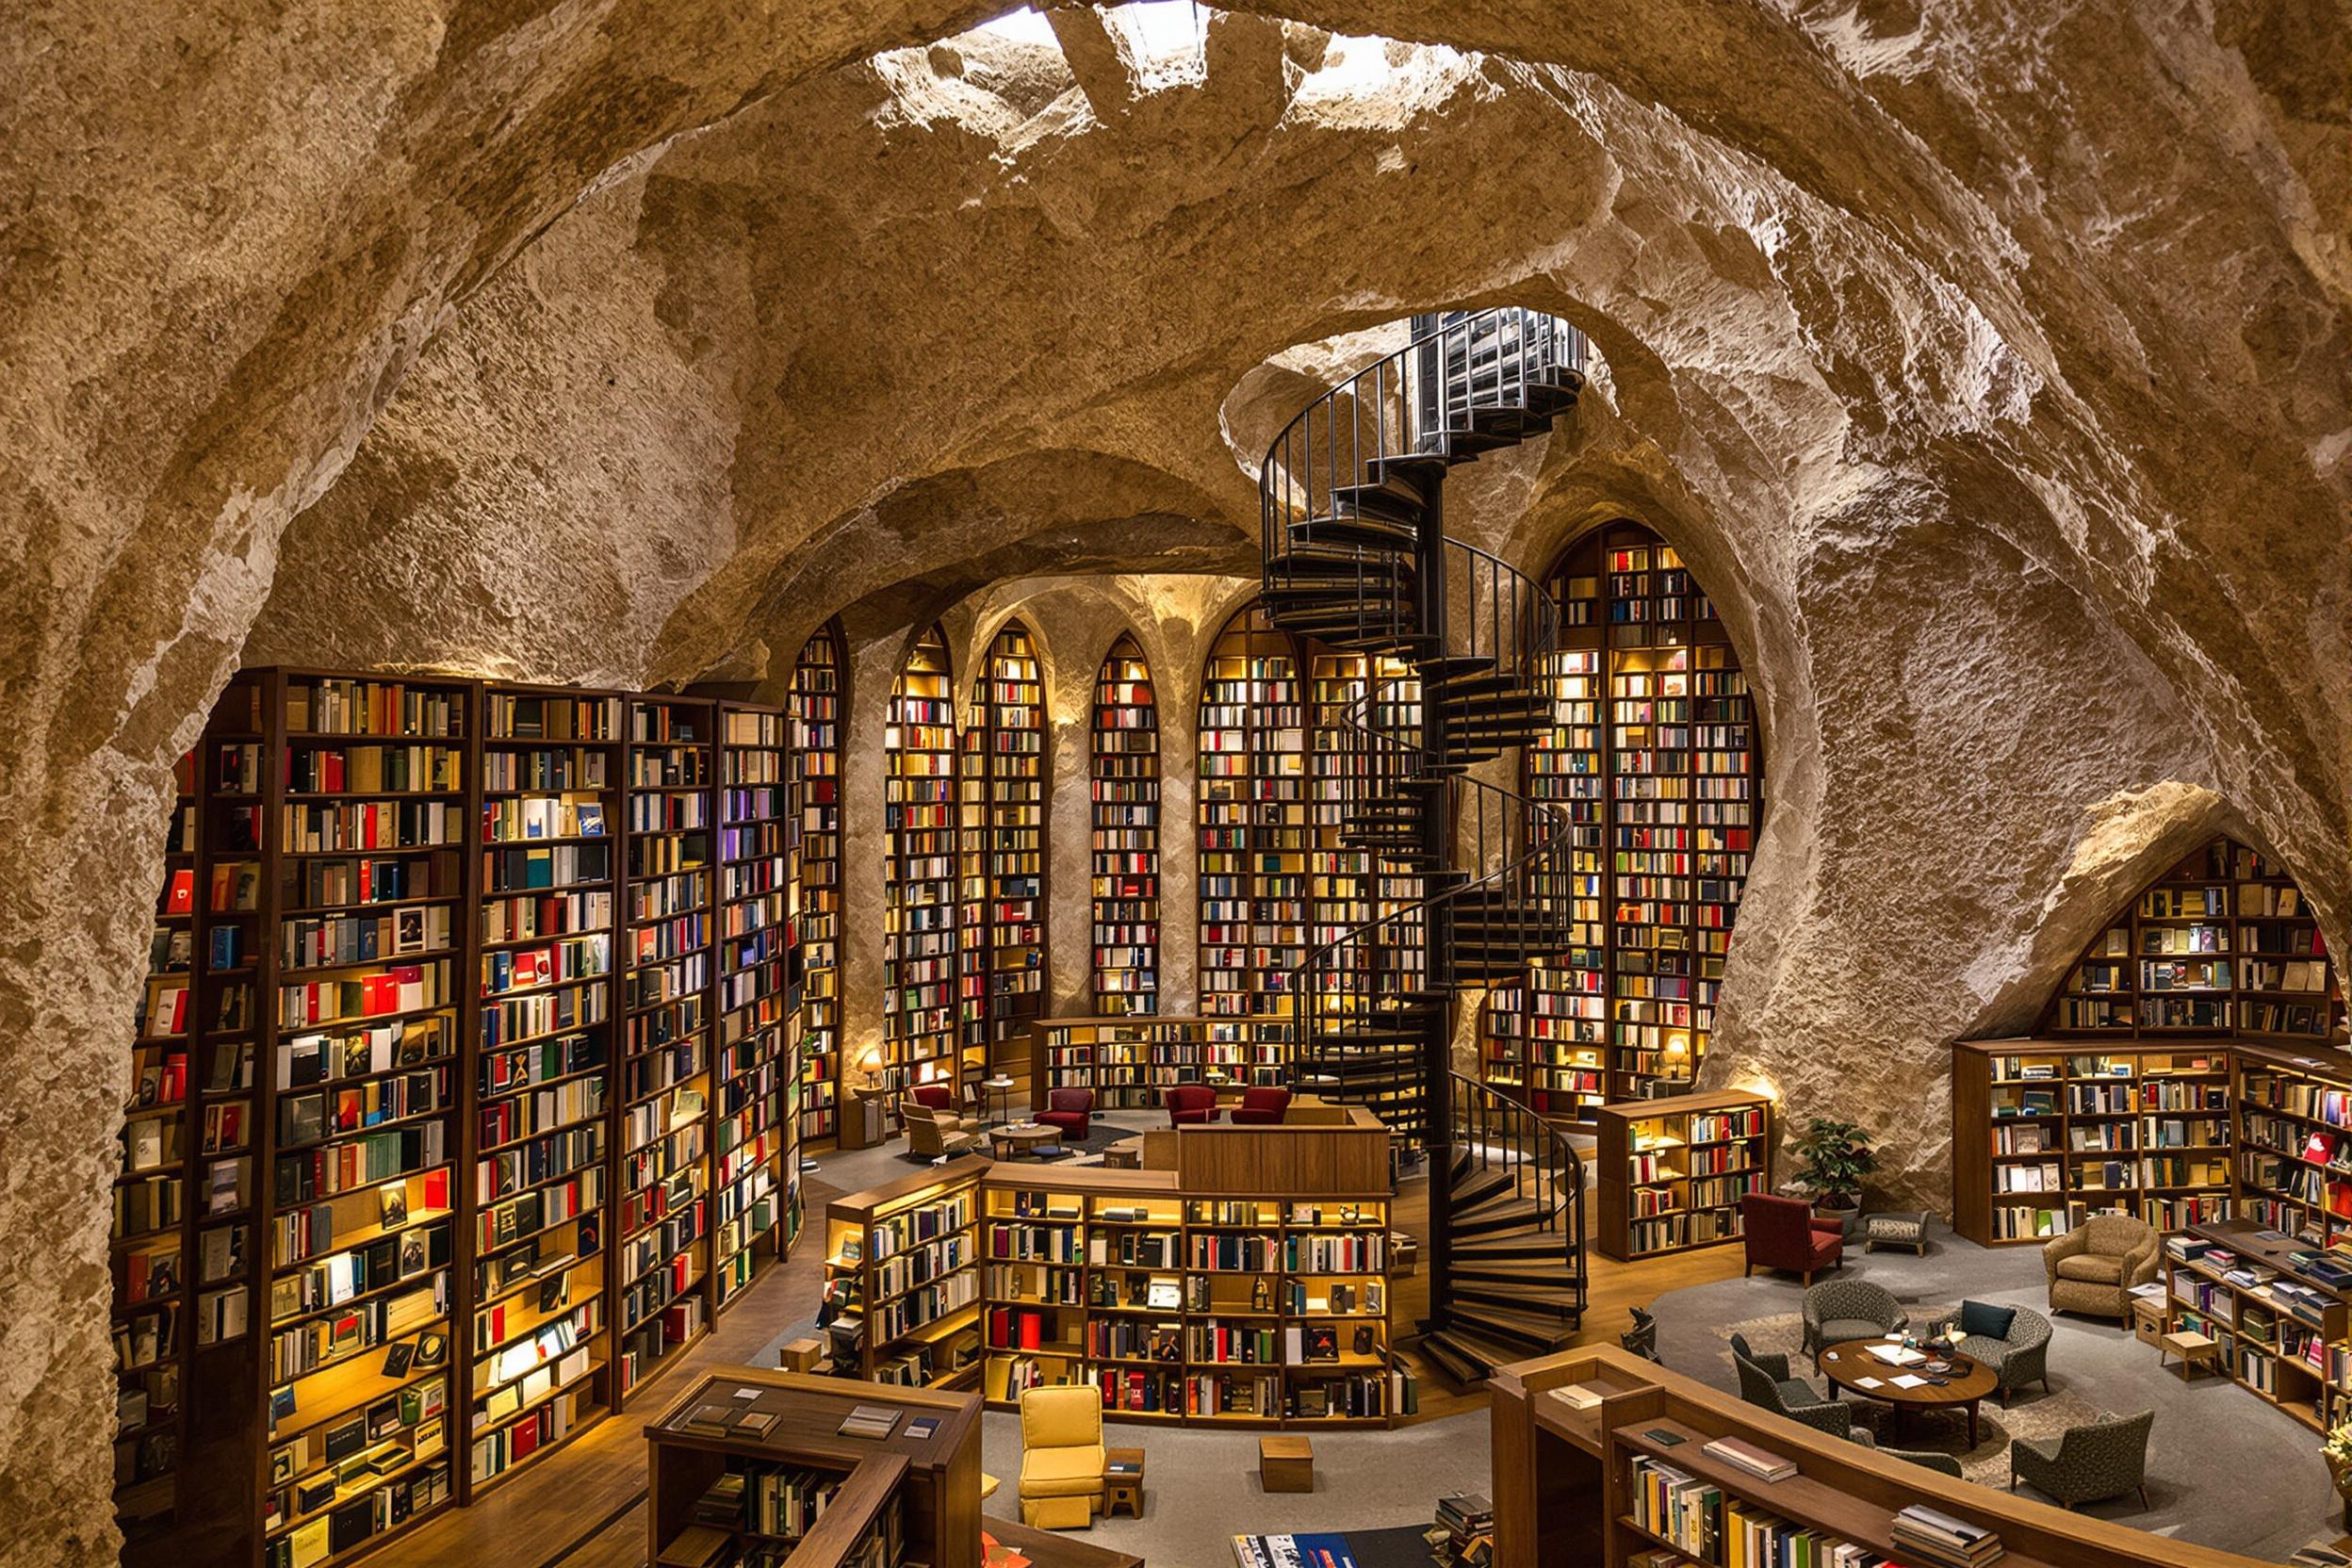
(1473, 876)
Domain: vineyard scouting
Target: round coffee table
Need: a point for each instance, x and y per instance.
(1848, 1364)
(1021, 1137)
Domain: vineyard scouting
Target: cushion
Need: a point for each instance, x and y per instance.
(2095, 1270)
(1797, 1393)
(1983, 1317)
(1837, 1330)
(1061, 1472)
(1895, 1227)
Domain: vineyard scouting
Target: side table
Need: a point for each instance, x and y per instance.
(1122, 1482)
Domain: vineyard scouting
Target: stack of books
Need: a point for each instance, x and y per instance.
(1938, 1538)
(1468, 1520)
(870, 1421)
(1760, 1462)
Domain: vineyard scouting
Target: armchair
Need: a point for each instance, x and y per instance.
(2093, 1267)
(1765, 1382)
(936, 1132)
(1943, 1465)
(2017, 1357)
(938, 1096)
(1262, 1107)
(1840, 1310)
(1189, 1103)
(1072, 1110)
(2106, 1458)
(1783, 1233)
(1061, 1456)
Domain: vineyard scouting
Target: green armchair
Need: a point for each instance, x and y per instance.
(2106, 1458)
(1840, 1310)
(2093, 1267)
(1765, 1382)
(1943, 1465)
(2019, 1357)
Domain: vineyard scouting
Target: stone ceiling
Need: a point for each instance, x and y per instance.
(1990, 363)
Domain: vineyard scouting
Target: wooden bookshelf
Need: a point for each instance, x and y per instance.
(816, 708)
(902, 1280)
(1672, 1170)
(1125, 791)
(918, 943)
(2222, 944)
(542, 1079)
(1253, 820)
(1652, 756)
(1011, 702)
(2283, 1333)
(149, 1253)
(756, 1112)
(662, 1245)
(1128, 1061)
(746, 1455)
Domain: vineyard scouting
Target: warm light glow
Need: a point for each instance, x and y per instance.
(1677, 1045)
(1757, 1083)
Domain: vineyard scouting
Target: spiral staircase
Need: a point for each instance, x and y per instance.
(1470, 877)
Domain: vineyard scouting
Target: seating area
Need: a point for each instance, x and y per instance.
(1785, 1233)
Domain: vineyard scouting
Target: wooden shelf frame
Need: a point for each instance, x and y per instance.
(1250, 815)
(921, 954)
(1651, 1184)
(820, 698)
(1124, 789)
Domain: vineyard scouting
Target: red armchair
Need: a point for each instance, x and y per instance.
(1072, 1110)
(1262, 1107)
(937, 1097)
(1784, 1233)
(1189, 1103)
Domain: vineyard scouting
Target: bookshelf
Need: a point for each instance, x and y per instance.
(663, 1241)
(2222, 944)
(756, 1112)
(1672, 1170)
(1124, 788)
(149, 1239)
(1652, 759)
(919, 942)
(901, 1302)
(1128, 1061)
(1010, 704)
(1182, 1307)
(542, 1073)
(735, 1471)
(816, 708)
(1252, 819)
(2283, 1332)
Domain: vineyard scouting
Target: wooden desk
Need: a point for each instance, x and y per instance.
(1849, 1364)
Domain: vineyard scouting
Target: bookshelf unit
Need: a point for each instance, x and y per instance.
(1652, 755)
(2283, 1334)
(540, 1342)
(817, 699)
(1125, 790)
(1008, 709)
(1128, 1061)
(919, 942)
(901, 1302)
(1672, 1170)
(738, 1464)
(2222, 944)
(755, 1111)
(663, 1241)
(1252, 819)
(1213, 1309)
(149, 1252)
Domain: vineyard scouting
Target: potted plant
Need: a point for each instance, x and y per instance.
(1834, 1158)
(2337, 1451)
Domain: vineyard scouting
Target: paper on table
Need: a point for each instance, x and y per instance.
(1902, 1355)
(1907, 1380)
(1868, 1382)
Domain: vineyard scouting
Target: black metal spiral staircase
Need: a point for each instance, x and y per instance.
(1470, 880)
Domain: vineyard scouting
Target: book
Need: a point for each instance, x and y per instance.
(1757, 1461)
(868, 1421)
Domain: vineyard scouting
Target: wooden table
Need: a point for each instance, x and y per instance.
(1126, 1154)
(1285, 1463)
(1846, 1364)
(2194, 1350)
(1019, 1139)
(1122, 1482)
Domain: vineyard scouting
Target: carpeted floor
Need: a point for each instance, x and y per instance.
(2224, 1469)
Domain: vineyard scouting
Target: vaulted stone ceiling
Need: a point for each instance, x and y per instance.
(1990, 362)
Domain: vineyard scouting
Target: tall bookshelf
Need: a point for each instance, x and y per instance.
(816, 710)
(2223, 943)
(1652, 759)
(1253, 820)
(919, 942)
(541, 1075)
(365, 941)
(1009, 701)
(971, 902)
(662, 1245)
(1125, 791)
(756, 1121)
(1673, 1172)
(149, 1252)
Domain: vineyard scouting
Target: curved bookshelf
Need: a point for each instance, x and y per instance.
(816, 710)
(919, 942)
(1252, 816)
(1125, 787)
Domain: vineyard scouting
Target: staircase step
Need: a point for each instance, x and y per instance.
(1457, 1360)
(1398, 500)
(1534, 1298)
(1541, 1333)
(1371, 533)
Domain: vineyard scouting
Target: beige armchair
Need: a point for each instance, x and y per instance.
(2093, 1267)
(934, 1132)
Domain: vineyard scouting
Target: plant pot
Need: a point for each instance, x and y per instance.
(1845, 1216)
(2339, 1471)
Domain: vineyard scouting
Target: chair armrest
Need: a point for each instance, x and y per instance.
(1773, 1367)
(1832, 1416)
(2058, 1250)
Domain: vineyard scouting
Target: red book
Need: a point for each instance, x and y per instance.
(1032, 1329)
(436, 1188)
(181, 898)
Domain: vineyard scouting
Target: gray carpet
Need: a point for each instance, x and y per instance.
(2224, 1469)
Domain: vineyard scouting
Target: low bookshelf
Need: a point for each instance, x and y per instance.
(901, 1302)
(2275, 1309)
(1672, 1170)
(761, 1467)
(1128, 1060)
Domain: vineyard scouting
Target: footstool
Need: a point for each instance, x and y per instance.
(1895, 1228)
(1286, 1465)
(2195, 1350)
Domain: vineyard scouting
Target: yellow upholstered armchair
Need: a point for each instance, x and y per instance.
(1061, 1457)
(934, 1132)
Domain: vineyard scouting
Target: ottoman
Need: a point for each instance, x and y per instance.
(1895, 1230)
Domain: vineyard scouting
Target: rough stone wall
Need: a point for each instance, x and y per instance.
(1990, 365)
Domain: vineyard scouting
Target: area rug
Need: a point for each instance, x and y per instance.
(2030, 1413)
